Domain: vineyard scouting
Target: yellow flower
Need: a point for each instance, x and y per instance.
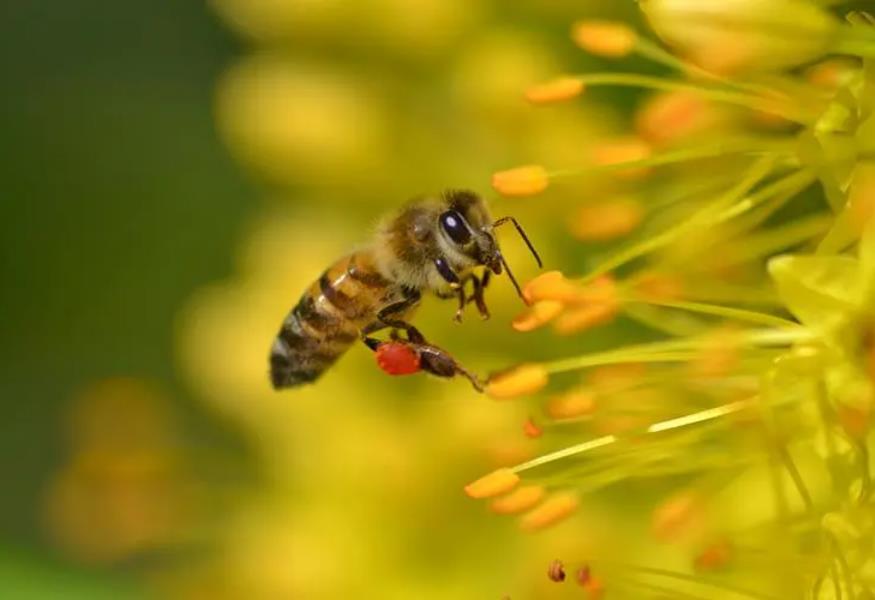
(728, 36)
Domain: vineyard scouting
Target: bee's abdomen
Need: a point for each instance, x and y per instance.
(326, 321)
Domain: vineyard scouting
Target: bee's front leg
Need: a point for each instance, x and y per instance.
(463, 300)
(478, 295)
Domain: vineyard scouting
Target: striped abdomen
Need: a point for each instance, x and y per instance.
(327, 320)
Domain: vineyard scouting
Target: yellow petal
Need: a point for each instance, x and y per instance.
(730, 36)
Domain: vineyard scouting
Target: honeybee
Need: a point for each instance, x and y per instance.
(433, 244)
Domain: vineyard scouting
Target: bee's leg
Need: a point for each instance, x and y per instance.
(385, 319)
(477, 297)
(413, 334)
(439, 362)
(463, 298)
(371, 342)
(445, 271)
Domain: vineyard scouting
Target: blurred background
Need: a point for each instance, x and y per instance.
(174, 175)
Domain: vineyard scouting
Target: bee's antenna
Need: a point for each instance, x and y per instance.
(512, 278)
(523, 235)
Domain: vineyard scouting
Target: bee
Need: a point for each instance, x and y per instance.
(433, 244)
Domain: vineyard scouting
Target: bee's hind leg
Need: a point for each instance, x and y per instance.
(438, 362)
(371, 342)
(386, 319)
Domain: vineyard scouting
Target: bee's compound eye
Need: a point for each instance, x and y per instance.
(455, 226)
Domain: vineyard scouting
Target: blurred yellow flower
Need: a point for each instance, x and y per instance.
(301, 122)
(125, 488)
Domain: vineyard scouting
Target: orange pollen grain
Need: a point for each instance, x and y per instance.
(498, 482)
(551, 285)
(517, 381)
(855, 421)
(595, 588)
(674, 115)
(612, 378)
(717, 357)
(550, 511)
(571, 404)
(831, 73)
(604, 38)
(531, 429)
(715, 556)
(526, 180)
(652, 285)
(676, 516)
(519, 500)
(623, 150)
(556, 90)
(539, 314)
(607, 220)
(585, 317)
(601, 289)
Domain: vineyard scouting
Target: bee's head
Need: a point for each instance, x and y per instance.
(467, 228)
